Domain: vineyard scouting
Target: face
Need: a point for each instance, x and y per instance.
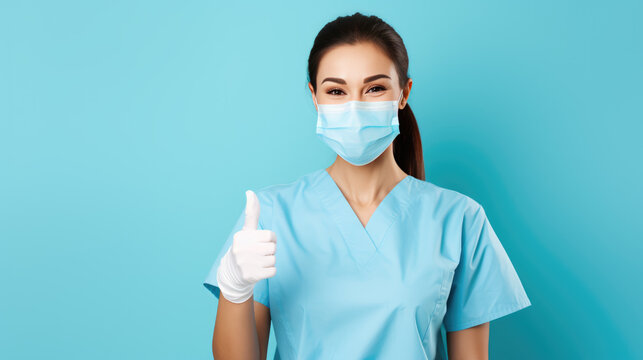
(357, 72)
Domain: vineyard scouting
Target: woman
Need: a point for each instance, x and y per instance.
(372, 258)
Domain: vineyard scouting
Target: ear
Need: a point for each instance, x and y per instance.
(406, 91)
(312, 93)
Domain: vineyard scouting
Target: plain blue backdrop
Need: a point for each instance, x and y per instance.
(130, 130)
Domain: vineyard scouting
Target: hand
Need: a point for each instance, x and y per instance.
(250, 258)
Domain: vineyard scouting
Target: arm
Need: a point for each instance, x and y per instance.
(485, 287)
(469, 344)
(262, 320)
(242, 325)
(241, 331)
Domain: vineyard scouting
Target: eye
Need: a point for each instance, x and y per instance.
(330, 92)
(377, 87)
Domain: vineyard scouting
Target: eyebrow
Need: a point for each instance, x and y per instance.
(366, 80)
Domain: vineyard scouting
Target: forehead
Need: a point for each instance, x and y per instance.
(355, 62)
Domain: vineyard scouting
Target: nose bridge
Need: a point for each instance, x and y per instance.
(356, 95)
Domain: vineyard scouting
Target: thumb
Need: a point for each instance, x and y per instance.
(252, 211)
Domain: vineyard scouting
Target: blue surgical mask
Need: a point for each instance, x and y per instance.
(358, 131)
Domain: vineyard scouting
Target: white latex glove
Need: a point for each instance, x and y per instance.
(249, 259)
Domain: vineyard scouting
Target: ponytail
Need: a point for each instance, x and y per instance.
(407, 146)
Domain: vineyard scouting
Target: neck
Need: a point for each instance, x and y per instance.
(368, 183)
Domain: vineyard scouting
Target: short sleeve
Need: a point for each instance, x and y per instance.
(260, 292)
(485, 284)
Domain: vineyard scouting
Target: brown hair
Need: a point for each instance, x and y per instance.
(407, 146)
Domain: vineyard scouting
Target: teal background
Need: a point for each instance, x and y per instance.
(130, 130)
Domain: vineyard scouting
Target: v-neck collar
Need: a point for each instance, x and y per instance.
(363, 242)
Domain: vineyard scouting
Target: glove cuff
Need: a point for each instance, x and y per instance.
(230, 283)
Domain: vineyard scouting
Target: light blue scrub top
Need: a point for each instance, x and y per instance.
(427, 257)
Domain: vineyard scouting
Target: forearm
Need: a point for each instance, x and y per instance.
(235, 332)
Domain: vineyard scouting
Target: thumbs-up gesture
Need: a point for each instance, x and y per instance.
(250, 258)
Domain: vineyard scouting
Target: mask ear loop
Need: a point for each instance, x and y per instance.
(398, 100)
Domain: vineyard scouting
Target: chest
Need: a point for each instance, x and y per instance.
(321, 266)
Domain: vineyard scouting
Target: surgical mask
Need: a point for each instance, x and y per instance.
(358, 131)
